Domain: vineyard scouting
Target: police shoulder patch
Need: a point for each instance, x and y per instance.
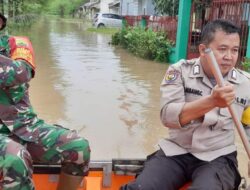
(171, 76)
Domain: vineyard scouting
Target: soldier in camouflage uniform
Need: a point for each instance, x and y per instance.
(24, 138)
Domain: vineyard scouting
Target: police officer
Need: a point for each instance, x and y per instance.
(200, 147)
(24, 137)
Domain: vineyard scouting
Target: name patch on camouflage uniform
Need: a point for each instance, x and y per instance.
(171, 76)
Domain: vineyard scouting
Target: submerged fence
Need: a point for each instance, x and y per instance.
(156, 23)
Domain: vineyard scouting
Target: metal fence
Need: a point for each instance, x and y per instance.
(134, 20)
(237, 11)
(166, 24)
(202, 11)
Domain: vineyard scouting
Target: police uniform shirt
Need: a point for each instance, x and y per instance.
(206, 138)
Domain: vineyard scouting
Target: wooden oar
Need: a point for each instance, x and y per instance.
(220, 81)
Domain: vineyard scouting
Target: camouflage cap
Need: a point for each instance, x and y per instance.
(4, 20)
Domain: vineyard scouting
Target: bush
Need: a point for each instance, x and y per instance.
(246, 64)
(115, 39)
(144, 43)
(119, 38)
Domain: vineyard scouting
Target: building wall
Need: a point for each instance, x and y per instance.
(137, 7)
(104, 6)
(150, 8)
(115, 10)
(128, 7)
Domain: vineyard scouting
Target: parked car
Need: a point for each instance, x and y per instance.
(107, 20)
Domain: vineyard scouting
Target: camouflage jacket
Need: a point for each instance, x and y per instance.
(17, 116)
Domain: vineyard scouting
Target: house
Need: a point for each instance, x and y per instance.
(114, 6)
(121, 7)
(104, 6)
(137, 7)
(110, 6)
(90, 8)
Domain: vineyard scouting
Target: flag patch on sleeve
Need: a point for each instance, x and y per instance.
(171, 76)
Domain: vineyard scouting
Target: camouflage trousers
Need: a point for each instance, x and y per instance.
(55, 145)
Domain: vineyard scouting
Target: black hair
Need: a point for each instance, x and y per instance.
(207, 34)
(4, 20)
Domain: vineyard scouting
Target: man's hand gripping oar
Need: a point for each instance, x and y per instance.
(220, 81)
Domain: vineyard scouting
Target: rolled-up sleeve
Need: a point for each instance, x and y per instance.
(172, 97)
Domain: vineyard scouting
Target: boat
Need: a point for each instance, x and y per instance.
(103, 175)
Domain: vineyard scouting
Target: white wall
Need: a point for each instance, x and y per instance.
(147, 7)
(104, 6)
(129, 7)
(137, 7)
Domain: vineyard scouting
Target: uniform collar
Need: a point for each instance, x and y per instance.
(197, 71)
(233, 76)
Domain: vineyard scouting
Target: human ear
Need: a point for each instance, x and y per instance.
(202, 48)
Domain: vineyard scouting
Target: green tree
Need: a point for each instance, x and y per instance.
(166, 7)
(2, 6)
(14, 8)
(64, 7)
(19, 7)
(21, 12)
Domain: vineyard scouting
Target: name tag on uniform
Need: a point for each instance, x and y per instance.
(241, 101)
(193, 91)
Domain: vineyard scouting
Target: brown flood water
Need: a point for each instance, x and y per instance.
(108, 95)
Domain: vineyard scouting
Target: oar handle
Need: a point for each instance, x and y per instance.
(220, 81)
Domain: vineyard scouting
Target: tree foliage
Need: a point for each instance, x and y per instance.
(13, 8)
(64, 7)
(22, 13)
(166, 7)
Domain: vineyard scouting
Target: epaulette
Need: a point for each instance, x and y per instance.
(244, 73)
(186, 62)
(191, 61)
